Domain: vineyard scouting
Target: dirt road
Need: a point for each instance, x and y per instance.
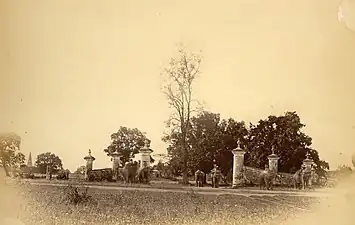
(205, 190)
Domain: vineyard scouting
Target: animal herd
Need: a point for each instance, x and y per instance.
(132, 172)
(301, 179)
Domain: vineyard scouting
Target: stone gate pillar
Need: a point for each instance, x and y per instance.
(307, 163)
(238, 165)
(144, 155)
(273, 162)
(48, 174)
(89, 162)
(115, 164)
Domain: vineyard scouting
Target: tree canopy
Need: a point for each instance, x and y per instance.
(49, 159)
(9, 151)
(127, 142)
(80, 170)
(283, 134)
(212, 138)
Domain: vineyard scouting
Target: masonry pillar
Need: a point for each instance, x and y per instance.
(115, 164)
(144, 155)
(307, 163)
(273, 162)
(238, 165)
(48, 174)
(89, 162)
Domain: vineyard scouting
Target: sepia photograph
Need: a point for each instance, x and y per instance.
(166, 112)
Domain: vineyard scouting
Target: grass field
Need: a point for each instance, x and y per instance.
(49, 205)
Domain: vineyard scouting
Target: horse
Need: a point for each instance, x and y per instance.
(302, 178)
(143, 175)
(129, 172)
(199, 178)
(216, 176)
(266, 179)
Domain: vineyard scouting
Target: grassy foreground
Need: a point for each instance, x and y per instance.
(50, 205)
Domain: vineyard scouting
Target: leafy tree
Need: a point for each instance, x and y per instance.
(53, 162)
(160, 166)
(233, 131)
(80, 170)
(181, 74)
(284, 135)
(9, 155)
(210, 138)
(176, 161)
(205, 140)
(127, 142)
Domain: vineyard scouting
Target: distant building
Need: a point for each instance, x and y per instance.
(28, 169)
(29, 162)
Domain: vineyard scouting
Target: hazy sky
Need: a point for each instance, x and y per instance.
(84, 68)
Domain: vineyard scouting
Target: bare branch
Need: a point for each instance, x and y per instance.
(181, 74)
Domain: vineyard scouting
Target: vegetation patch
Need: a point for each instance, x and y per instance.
(79, 205)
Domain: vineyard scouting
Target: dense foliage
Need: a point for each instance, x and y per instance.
(9, 151)
(50, 160)
(101, 175)
(127, 142)
(212, 138)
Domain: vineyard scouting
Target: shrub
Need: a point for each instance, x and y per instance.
(63, 175)
(73, 196)
(101, 175)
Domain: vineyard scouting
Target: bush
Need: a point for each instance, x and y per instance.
(63, 175)
(101, 175)
(74, 197)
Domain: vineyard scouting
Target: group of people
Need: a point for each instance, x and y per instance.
(215, 173)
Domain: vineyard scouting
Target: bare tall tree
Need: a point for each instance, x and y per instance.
(178, 87)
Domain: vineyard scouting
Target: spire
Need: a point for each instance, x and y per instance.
(29, 162)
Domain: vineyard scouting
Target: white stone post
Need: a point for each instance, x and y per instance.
(273, 162)
(144, 155)
(238, 165)
(307, 162)
(89, 162)
(48, 175)
(115, 164)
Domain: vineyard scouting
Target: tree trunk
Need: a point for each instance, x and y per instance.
(185, 177)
